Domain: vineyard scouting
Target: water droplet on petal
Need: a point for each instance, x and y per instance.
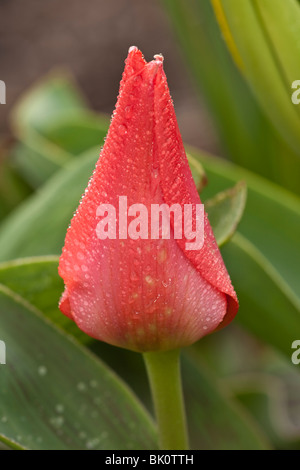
(149, 279)
(128, 112)
(138, 80)
(122, 129)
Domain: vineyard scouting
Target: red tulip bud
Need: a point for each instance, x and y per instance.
(125, 284)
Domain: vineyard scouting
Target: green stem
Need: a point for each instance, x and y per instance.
(165, 380)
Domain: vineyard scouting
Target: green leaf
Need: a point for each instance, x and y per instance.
(44, 218)
(39, 155)
(44, 103)
(271, 218)
(268, 306)
(216, 421)
(36, 280)
(253, 28)
(36, 158)
(267, 397)
(248, 137)
(77, 133)
(57, 395)
(13, 189)
(264, 259)
(286, 45)
(225, 211)
(266, 383)
(56, 99)
(198, 174)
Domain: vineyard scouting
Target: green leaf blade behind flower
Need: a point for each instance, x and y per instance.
(38, 156)
(208, 417)
(263, 258)
(248, 137)
(77, 133)
(13, 189)
(268, 307)
(36, 159)
(45, 102)
(271, 218)
(263, 61)
(225, 210)
(53, 124)
(45, 216)
(281, 21)
(36, 279)
(56, 395)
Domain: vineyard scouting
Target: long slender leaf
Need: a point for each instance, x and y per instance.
(268, 306)
(13, 189)
(267, 56)
(45, 217)
(247, 135)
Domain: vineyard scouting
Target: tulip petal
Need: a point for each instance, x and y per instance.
(178, 187)
(64, 304)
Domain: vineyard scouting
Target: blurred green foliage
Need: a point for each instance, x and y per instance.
(246, 131)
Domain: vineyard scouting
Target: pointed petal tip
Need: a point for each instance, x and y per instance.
(159, 58)
(155, 67)
(134, 54)
(134, 63)
(133, 49)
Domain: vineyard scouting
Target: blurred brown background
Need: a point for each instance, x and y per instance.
(91, 38)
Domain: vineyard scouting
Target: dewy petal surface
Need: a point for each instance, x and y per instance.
(143, 294)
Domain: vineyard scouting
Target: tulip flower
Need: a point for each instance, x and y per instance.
(144, 293)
